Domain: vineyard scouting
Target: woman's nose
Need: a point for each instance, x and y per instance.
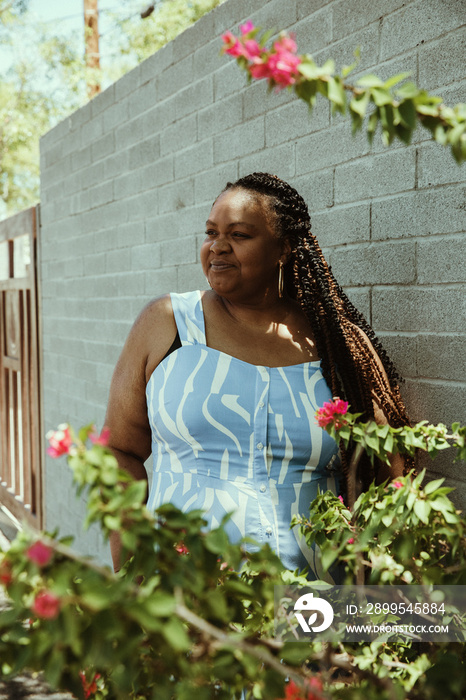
(220, 245)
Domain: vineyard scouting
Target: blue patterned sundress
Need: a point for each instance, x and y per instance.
(232, 437)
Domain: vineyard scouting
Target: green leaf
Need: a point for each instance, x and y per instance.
(359, 104)
(396, 79)
(433, 486)
(336, 94)
(175, 634)
(370, 81)
(422, 510)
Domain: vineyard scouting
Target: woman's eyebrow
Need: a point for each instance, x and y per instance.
(209, 222)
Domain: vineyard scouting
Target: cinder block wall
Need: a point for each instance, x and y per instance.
(128, 181)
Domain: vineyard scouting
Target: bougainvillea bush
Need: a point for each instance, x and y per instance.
(191, 615)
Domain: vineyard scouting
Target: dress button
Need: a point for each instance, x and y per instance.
(261, 404)
(263, 488)
(259, 446)
(269, 531)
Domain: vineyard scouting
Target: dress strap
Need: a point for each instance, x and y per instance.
(189, 317)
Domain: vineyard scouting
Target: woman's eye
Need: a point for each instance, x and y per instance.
(238, 234)
(210, 233)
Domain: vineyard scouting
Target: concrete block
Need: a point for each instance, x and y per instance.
(116, 164)
(103, 100)
(158, 62)
(103, 147)
(191, 220)
(179, 135)
(194, 97)
(178, 252)
(228, 15)
(438, 210)
(144, 152)
(240, 141)
(129, 184)
(193, 160)
(128, 83)
(306, 8)
(361, 299)
(176, 196)
(142, 205)
(160, 281)
(438, 309)
(380, 263)
(144, 98)
(129, 133)
(441, 260)
(195, 36)
(159, 117)
(81, 158)
(130, 234)
(116, 114)
(190, 277)
(209, 184)
(92, 130)
(316, 188)
(294, 120)
(402, 350)
(351, 15)
(329, 147)
(436, 402)
(219, 116)
(278, 161)
(93, 175)
(342, 51)
(228, 79)
(314, 32)
(161, 227)
(275, 14)
(442, 356)
(101, 194)
(117, 261)
(175, 77)
(71, 184)
(342, 225)
(436, 166)
(257, 100)
(145, 257)
(206, 58)
(159, 173)
(374, 176)
(108, 216)
(418, 23)
(80, 116)
(442, 62)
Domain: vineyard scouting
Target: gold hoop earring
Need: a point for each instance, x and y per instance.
(280, 279)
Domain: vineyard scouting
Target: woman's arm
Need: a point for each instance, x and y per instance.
(130, 435)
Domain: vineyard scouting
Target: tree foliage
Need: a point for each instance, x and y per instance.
(192, 615)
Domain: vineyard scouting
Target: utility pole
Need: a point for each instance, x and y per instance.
(91, 38)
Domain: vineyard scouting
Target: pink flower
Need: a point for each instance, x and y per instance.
(46, 605)
(233, 46)
(247, 27)
(181, 548)
(101, 439)
(329, 412)
(39, 553)
(60, 441)
(283, 67)
(351, 540)
(340, 498)
(285, 43)
(294, 692)
(397, 484)
(6, 577)
(260, 70)
(89, 687)
(252, 49)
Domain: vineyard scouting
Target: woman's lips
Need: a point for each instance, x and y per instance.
(219, 265)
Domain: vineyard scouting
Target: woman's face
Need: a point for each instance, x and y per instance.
(241, 252)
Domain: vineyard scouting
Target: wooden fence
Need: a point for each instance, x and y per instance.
(20, 405)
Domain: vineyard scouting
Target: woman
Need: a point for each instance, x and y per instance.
(222, 386)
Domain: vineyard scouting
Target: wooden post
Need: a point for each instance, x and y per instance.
(91, 38)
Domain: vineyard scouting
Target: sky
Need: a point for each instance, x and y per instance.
(68, 17)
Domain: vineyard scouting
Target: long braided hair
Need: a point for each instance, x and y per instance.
(347, 359)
